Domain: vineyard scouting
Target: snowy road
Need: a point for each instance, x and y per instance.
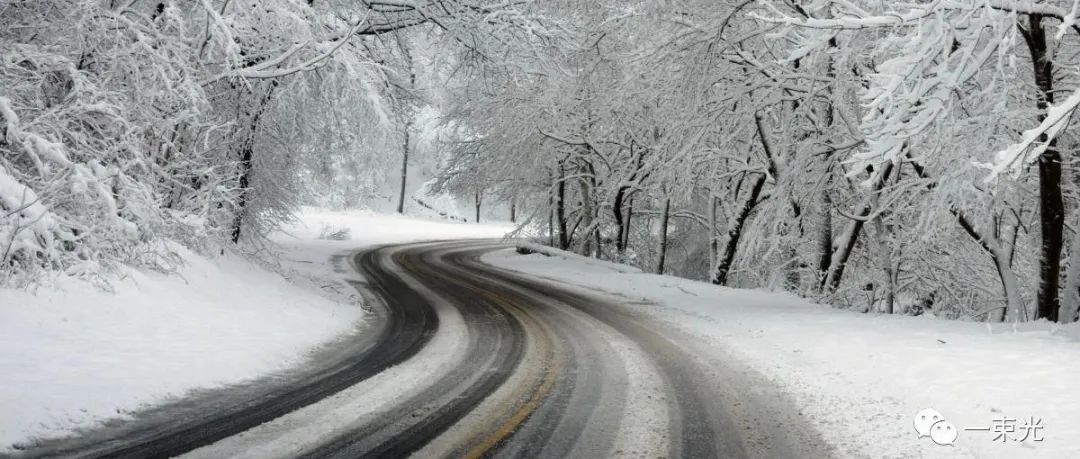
(465, 359)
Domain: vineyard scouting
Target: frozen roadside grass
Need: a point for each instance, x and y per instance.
(860, 379)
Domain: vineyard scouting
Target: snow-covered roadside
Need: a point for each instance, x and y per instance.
(305, 251)
(72, 356)
(860, 379)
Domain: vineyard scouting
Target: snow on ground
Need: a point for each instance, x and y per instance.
(72, 355)
(372, 228)
(860, 379)
(307, 249)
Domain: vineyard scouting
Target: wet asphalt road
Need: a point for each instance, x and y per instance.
(462, 359)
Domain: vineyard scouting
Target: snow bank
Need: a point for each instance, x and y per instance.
(72, 355)
(372, 228)
(860, 379)
(306, 249)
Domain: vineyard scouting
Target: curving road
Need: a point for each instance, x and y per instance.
(463, 359)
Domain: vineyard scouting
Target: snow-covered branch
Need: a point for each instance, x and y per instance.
(1034, 141)
(265, 69)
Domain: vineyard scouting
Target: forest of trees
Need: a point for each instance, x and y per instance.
(884, 156)
(129, 125)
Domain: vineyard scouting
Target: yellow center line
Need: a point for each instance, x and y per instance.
(546, 384)
(512, 423)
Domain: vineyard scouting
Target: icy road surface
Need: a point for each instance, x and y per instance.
(465, 359)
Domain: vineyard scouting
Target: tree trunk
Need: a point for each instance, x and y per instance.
(551, 220)
(513, 211)
(620, 222)
(714, 241)
(244, 184)
(560, 209)
(736, 231)
(1051, 207)
(723, 267)
(478, 199)
(663, 236)
(843, 248)
(794, 264)
(825, 240)
(1001, 259)
(247, 164)
(624, 199)
(551, 209)
(886, 266)
(885, 251)
(1009, 285)
(598, 240)
(588, 212)
(404, 168)
(825, 231)
(1071, 306)
(841, 252)
(407, 114)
